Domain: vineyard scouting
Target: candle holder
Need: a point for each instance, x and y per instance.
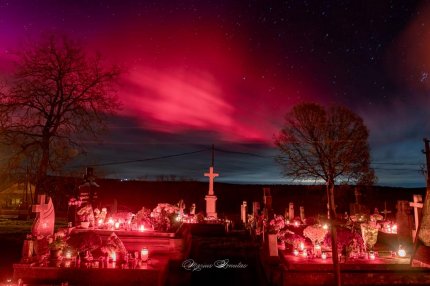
(144, 254)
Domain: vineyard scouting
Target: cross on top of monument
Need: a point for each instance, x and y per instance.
(211, 176)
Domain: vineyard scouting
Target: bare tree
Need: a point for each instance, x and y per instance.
(57, 97)
(329, 145)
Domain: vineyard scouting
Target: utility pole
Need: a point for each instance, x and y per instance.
(427, 153)
(213, 155)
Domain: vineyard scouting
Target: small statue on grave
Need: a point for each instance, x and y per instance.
(193, 209)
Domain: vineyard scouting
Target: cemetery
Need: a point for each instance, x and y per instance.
(174, 245)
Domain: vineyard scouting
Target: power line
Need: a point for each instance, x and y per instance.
(143, 160)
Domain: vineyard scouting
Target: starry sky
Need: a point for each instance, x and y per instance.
(200, 72)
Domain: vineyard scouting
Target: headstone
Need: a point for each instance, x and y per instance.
(43, 224)
(403, 223)
(357, 207)
(210, 197)
(385, 211)
(181, 206)
(291, 211)
(267, 199)
(255, 208)
(416, 204)
(302, 213)
(193, 209)
(88, 191)
(244, 212)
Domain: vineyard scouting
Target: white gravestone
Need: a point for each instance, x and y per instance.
(244, 212)
(210, 197)
(291, 212)
(43, 224)
(302, 213)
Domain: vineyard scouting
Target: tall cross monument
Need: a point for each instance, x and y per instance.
(210, 197)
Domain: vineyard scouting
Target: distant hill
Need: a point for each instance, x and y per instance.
(132, 195)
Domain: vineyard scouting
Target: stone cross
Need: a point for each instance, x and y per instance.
(417, 203)
(44, 222)
(210, 197)
(211, 176)
(385, 211)
(291, 211)
(244, 212)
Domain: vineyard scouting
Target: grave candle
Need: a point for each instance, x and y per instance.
(113, 256)
(325, 226)
(394, 228)
(117, 225)
(68, 255)
(401, 252)
(301, 246)
(324, 255)
(142, 228)
(305, 253)
(144, 253)
(371, 255)
(295, 252)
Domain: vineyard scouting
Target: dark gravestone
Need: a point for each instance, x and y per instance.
(404, 224)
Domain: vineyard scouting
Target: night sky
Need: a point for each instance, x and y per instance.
(225, 72)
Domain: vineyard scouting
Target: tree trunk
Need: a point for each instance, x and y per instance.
(42, 171)
(333, 232)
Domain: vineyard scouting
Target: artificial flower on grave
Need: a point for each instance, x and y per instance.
(114, 245)
(292, 238)
(376, 217)
(369, 233)
(358, 218)
(74, 202)
(344, 238)
(163, 216)
(316, 233)
(143, 217)
(276, 224)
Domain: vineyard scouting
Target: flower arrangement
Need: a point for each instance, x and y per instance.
(74, 202)
(163, 216)
(344, 238)
(143, 217)
(316, 233)
(369, 233)
(276, 224)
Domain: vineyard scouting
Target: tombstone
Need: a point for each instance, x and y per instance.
(211, 198)
(267, 199)
(417, 205)
(302, 213)
(357, 207)
(244, 212)
(43, 224)
(403, 223)
(193, 209)
(291, 212)
(255, 208)
(88, 191)
(385, 211)
(181, 206)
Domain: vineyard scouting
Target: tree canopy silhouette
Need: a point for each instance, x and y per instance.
(57, 97)
(328, 144)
